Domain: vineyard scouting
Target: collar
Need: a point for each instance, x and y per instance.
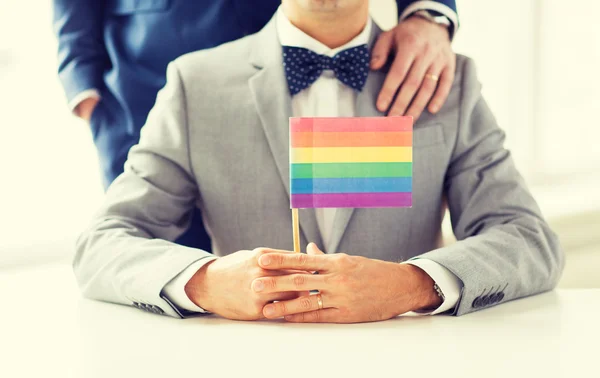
(290, 35)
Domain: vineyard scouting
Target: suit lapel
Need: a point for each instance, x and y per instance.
(365, 107)
(273, 104)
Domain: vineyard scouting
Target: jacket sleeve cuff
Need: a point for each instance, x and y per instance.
(174, 290)
(77, 78)
(448, 283)
(78, 99)
(433, 6)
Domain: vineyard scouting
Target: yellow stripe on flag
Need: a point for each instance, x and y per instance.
(351, 155)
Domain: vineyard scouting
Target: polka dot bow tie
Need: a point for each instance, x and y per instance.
(303, 67)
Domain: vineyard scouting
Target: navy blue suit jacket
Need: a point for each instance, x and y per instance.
(122, 47)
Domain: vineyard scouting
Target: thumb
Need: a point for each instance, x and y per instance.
(312, 249)
(381, 50)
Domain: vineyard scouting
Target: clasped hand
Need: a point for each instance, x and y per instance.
(274, 284)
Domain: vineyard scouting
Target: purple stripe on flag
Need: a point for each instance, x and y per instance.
(302, 201)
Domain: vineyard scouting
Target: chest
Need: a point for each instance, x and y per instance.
(326, 97)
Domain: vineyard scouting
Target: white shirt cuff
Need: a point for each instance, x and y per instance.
(448, 283)
(88, 93)
(175, 289)
(434, 6)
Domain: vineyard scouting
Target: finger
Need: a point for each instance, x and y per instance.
(292, 282)
(294, 261)
(381, 50)
(443, 89)
(409, 87)
(312, 249)
(266, 273)
(326, 315)
(285, 296)
(262, 251)
(396, 75)
(424, 94)
(295, 306)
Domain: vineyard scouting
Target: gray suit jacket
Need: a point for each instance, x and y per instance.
(217, 139)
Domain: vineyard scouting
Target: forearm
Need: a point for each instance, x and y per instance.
(127, 254)
(506, 262)
(78, 25)
(118, 262)
(506, 249)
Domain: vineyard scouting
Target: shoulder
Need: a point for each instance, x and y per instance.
(466, 73)
(226, 63)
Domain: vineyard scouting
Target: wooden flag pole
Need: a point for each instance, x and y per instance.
(296, 230)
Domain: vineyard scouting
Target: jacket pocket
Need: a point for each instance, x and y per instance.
(126, 7)
(428, 135)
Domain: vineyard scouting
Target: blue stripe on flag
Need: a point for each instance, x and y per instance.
(351, 185)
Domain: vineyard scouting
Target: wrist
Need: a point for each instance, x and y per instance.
(425, 18)
(198, 287)
(85, 108)
(425, 295)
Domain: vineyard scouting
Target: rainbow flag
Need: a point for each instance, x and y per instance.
(351, 162)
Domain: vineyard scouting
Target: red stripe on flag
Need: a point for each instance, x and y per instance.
(351, 124)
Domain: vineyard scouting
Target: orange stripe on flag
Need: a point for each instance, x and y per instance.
(352, 139)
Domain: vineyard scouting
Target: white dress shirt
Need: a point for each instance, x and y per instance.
(326, 97)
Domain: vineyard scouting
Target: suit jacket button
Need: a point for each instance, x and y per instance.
(485, 300)
(493, 298)
(500, 296)
(476, 303)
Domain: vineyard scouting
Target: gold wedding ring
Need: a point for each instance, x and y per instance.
(319, 301)
(432, 77)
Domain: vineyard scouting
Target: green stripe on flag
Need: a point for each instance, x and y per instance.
(347, 170)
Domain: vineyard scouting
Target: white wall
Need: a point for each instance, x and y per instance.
(49, 181)
(536, 61)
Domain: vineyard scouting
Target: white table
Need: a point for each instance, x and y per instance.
(47, 330)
